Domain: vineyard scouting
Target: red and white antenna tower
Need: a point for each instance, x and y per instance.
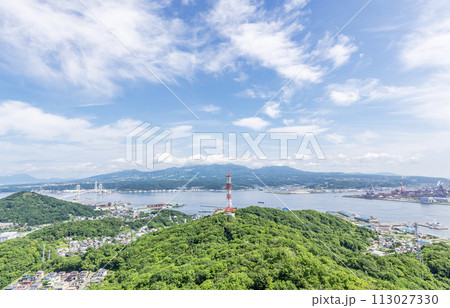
(229, 210)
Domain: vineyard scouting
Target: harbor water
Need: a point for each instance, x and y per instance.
(202, 202)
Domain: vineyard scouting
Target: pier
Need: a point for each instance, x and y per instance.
(403, 224)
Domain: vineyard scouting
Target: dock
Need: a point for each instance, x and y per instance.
(401, 224)
(157, 207)
(354, 217)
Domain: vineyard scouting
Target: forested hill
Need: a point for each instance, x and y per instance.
(263, 248)
(18, 256)
(107, 226)
(35, 209)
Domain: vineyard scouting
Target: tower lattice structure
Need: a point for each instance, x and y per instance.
(229, 210)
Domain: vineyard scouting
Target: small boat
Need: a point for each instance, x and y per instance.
(434, 224)
(261, 202)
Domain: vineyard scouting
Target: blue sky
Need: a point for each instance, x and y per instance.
(376, 97)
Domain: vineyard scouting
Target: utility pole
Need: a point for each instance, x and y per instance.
(419, 251)
(43, 254)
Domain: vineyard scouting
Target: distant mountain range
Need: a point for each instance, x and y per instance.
(219, 171)
(246, 177)
(213, 177)
(24, 179)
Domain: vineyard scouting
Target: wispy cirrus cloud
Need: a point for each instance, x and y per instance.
(257, 92)
(428, 100)
(63, 43)
(266, 38)
(424, 48)
(428, 43)
(295, 4)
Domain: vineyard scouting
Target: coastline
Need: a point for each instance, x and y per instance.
(396, 200)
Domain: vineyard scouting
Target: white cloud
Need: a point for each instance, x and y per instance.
(388, 158)
(299, 129)
(344, 97)
(187, 2)
(257, 92)
(428, 45)
(427, 101)
(38, 142)
(241, 77)
(374, 156)
(24, 120)
(220, 58)
(180, 131)
(426, 49)
(335, 138)
(366, 136)
(288, 122)
(119, 160)
(314, 117)
(264, 38)
(211, 108)
(255, 123)
(354, 90)
(342, 156)
(272, 109)
(378, 159)
(341, 51)
(62, 43)
(295, 4)
(47, 144)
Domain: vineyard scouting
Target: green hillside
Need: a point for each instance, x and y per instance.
(24, 254)
(35, 209)
(17, 257)
(261, 248)
(264, 248)
(107, 226)
(79, 229)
